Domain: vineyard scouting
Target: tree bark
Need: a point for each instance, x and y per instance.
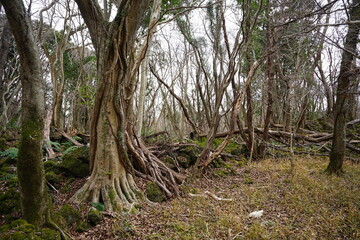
(113, 141)
(270, 75)
(33, 195)
(347, 70)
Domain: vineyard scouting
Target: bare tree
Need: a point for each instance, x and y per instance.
(345, 78)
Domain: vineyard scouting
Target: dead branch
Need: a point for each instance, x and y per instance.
(213, 196)
(68, 137)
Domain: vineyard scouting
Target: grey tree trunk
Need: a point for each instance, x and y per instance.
(347, 70)
(4, 50)
(112, 135)
(33, 193)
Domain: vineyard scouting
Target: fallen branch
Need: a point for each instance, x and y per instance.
(68, 137)
(207, 193)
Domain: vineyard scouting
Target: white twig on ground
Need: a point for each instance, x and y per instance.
(207, 193)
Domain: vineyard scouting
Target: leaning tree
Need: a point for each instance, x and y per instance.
(116, 154)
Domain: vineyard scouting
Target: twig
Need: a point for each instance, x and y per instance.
(207, 193)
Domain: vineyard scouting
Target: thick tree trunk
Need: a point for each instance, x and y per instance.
(33, 193)
(113, 140)
(347, 70)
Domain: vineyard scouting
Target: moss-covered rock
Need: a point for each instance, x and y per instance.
(169, 162)
(9, 201)
(240, 150)
(76, 163)
(49, 234)
(154, 193)
(53, 178)
(190, 153)
(53, 165)
(82, 226)
(70, 214)
(21, 230)
(184, 162)
(94, 216)
(58, 219)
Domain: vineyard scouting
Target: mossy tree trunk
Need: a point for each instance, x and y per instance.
(113, 143)
(347, 70)
(33, 193)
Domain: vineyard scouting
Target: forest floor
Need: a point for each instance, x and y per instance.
(304, 203)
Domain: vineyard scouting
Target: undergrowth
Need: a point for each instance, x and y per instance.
(304, 204)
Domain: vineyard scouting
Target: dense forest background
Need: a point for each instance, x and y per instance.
(105, 105)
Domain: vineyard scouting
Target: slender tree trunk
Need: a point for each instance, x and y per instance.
(270, 75)
(4, 50)
(143, 83)
(33, 195)
(347, 70)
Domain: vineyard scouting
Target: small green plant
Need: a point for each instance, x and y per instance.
(11, 153)
(7, 177)
(56, 146)
(70, 149)
(99, 206)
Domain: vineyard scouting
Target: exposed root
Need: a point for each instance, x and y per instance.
(117, 193)
(151, 168)
(52, 224)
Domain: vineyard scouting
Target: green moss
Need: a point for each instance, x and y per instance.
(21, 230)
(26, 228)
(49, 234)
(70, 214)
(241, 150)
(154, 193)
(49, 164)
(94, 216)
(169, 162)
(123, 229)
(248, 180)
(65, 189)
(82, 226)
(218, 163)
(59, 219)
(221, 173)
(20, 236)
(187, 156)
(53, 178)
(184, 161)
(9, 201)
(17, 223)
(256, 232)
(76, 163)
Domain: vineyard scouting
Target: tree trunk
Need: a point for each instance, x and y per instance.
(112, 140)
(4, 50)
(270, 75)
(347, 70)
(33, 195)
